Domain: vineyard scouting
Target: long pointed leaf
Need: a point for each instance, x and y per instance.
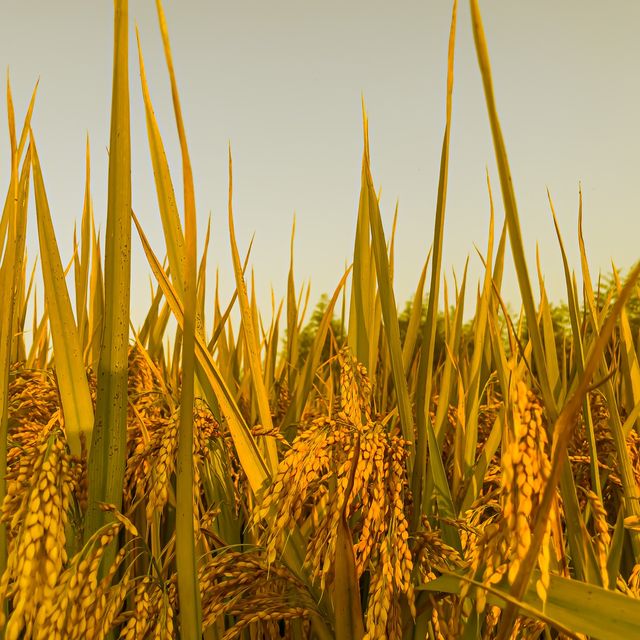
(76, 400)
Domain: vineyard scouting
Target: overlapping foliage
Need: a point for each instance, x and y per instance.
(372, 474)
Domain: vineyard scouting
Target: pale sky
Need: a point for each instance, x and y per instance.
(282, 81)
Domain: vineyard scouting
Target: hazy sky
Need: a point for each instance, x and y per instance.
(282, 81)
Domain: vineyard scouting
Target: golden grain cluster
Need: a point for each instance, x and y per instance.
(367, 475)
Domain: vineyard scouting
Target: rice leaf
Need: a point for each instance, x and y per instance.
(574, 313)
(346, 592)
(15, 208)
(187, 566)
(362, 309)
(562, 432)
(249, 454)
(446, 509)
(413, 328)
(167, 205)
(425, 372)
(108, 446)
(624, 462)
(472, 404)
(574, 519)
(75, 396)
(571, 605)
(292, 320)
(251, 340)
(628, 357)
(81, 264)
(305, 380)
(387, 299)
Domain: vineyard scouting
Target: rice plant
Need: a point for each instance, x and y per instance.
(369, 474)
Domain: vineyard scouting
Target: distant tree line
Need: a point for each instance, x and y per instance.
(605, 289)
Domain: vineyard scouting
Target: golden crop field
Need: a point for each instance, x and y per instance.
(371, 474)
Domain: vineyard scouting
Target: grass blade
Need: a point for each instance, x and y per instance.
(248, 452)
(169, 215)
(76, 400)
(574, 313)
(425, 372)
(574, 518)
(510, 207)
(562, 432)
(346, 592)
(108, 448)
(411, 335)
(571, 606)
(188, 586)
(10, 273)
(387, 298)
(250, 337)
(81, 264)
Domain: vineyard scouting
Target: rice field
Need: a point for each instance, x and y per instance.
(370, 474)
